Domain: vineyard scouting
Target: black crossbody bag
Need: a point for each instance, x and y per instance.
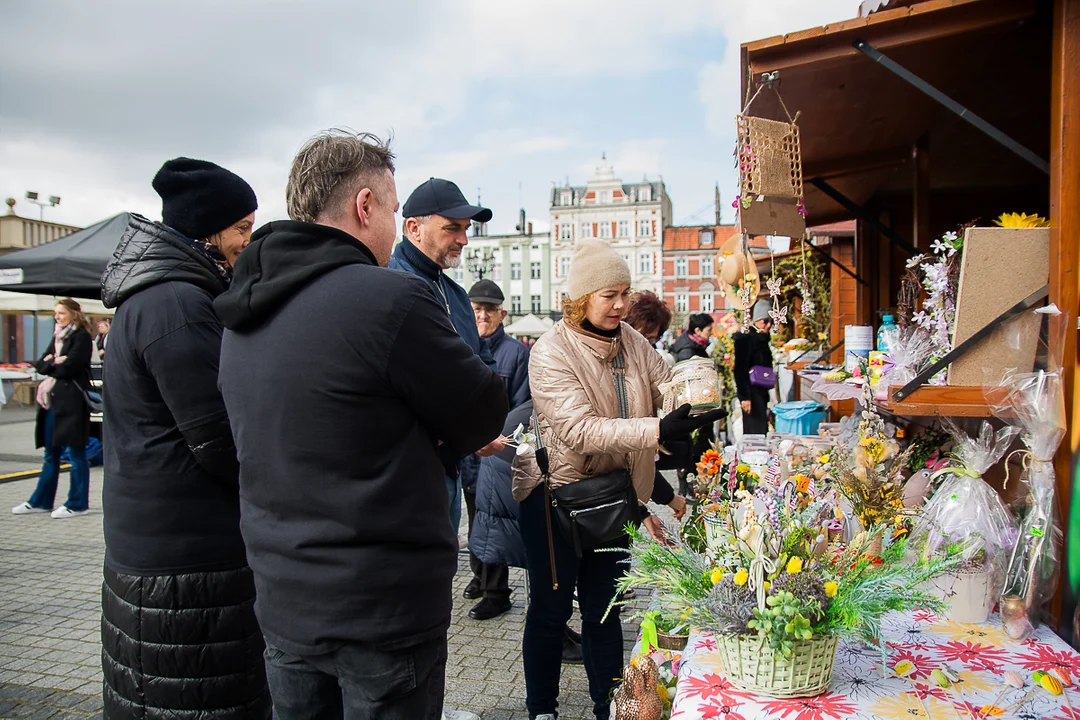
(594, 512)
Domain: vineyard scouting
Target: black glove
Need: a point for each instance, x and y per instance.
(678, 424)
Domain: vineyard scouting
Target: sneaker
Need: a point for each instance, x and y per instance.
(461, 715)
(65, 512)
(27, 509)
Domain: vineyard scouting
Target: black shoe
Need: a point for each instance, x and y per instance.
(571, 651)
(573, 635)
(473, 591)
(489, 608)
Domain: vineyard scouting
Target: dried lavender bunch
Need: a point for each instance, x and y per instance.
(804, 586)
(728, 607)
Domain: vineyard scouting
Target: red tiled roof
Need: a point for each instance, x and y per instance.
(685, 237)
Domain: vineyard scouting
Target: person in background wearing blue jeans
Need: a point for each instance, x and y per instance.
(63, 416)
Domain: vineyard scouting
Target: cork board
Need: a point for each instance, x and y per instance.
(1001, 267)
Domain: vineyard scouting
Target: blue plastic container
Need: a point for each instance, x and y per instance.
(799, 417)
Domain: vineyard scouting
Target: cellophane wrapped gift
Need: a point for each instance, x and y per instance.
(909, 353)
(966, 518)
(1033, 402)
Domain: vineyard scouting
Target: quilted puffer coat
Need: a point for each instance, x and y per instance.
(182, 646)
(573, 389)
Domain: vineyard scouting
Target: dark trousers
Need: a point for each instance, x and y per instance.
(494, 579)
(757, 421)
(359, 682)
(594, 574)
(79, 491)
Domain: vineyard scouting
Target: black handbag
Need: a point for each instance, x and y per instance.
(594, 512)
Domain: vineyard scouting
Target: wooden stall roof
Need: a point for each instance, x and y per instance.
(859, 122)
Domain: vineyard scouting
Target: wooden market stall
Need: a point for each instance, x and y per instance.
(924, 116)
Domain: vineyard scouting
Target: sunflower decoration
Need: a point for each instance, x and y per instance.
(1021, 220)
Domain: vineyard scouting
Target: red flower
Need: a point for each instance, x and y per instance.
(710, 685)
(924, 664)
(971, 653)
(924, 616)
(822, 707)
(1044, 657)
(707, 642)
(925, 691)
(878, 560)
(723, 709)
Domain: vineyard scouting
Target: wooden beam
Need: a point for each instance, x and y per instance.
(1065, 235)
(920, 195)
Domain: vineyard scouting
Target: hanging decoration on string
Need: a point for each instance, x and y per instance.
(768, 155)
(737, 273)
(776, 289)
(805, 290)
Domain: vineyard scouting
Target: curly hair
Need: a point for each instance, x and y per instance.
(574, 310)
(648, 313)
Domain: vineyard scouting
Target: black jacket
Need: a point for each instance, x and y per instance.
(71, 415)
(751, 349)
(178, 630)
(685, 348)
(341, 378)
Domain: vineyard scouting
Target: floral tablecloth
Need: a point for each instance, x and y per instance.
(979, 653)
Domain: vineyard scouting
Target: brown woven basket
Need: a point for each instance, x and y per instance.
(671, 642)
(752, 665)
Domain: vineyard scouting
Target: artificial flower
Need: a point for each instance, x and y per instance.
(831, 588)
(741, 577)
(716, 576)
(1021, 220)
(794, 565)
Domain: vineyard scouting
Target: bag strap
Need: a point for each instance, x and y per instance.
(618, 369)
(545, 469)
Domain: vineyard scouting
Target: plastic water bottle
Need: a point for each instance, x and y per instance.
(886, 333)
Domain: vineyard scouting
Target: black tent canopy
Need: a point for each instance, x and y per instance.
(71, 266)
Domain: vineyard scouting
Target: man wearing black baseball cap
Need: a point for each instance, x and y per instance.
(437, 220)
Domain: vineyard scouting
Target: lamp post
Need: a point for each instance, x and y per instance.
(479, 262)
(53, 201)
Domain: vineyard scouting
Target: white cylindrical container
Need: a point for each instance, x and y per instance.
(858, 342)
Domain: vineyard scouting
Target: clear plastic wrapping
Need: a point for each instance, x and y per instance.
(966, 517)
(909, 352)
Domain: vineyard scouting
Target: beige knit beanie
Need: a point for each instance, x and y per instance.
(595, 266)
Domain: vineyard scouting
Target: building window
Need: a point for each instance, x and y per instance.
(564, 266)
(644, 194)
(496, 272)
(645, 264)
(644, 228)
(566, 197)
(707, 302)
(586, 230)
(564, 231)
(681, 270)
(605, 197)
(459, 276)
(515, 304)
(534, 271)
(682, 302)
(515, 271)
(534, 303)
(705, 238)
(605, 230)
(624, 228)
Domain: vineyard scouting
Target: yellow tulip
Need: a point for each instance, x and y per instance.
(716, 576)
(831, 588)
(741, 577)
(794, 565)
(663, 693)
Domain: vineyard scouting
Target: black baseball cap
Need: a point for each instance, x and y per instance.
(488, 292)
(442, 197)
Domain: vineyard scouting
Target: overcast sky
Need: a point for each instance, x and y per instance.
(502, 95)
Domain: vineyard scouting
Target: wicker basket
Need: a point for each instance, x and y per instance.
(752, 665)
(666, 641)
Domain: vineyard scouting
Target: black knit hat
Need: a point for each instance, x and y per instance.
(199, 198)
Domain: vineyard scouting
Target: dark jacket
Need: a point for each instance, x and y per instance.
(512, 363)
(454, 301)
(751, 349)
(179, 632)
(71, 415)
(341, 378)
(685, 348)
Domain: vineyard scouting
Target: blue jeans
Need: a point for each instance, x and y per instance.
(453, 488)
(594, 574)
(357, 682)
(79, 492)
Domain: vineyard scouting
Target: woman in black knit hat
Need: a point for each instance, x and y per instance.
(179, 634)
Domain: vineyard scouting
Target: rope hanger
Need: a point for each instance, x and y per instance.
(768, 80)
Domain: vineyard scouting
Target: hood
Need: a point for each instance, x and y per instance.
(150, 253)
(283, 258)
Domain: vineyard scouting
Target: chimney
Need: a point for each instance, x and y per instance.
(521, 222)
(530, 227)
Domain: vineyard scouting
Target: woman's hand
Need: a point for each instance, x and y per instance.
(679, 424)
(678, 505)
(656, 529)
(47, 358)
(60, 359)
(495, 446)
(746, 405)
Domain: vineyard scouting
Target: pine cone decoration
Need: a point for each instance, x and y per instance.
(637, 698)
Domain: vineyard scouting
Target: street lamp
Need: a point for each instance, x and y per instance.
(53, 201)
(479, 262)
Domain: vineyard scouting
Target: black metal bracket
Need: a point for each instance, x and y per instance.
(962, 112)
(1026, 304)
(860, 212)
(837, 263)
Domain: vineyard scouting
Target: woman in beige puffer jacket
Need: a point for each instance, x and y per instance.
(571, 376)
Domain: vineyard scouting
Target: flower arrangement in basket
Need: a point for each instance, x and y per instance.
(776, 597)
